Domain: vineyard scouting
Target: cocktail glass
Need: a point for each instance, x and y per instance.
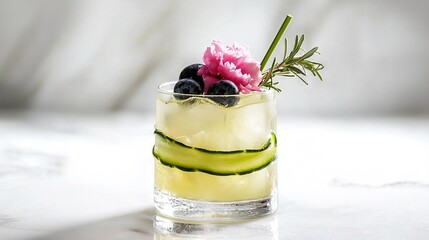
(215, 163)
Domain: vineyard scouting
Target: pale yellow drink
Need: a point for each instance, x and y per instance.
(200, 123)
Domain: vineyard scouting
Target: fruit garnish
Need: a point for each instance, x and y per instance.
(291, 65)
(230, 70)
(224, 87)
(186, 86)
(191, 72)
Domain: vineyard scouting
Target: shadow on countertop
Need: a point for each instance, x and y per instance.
(138, 225)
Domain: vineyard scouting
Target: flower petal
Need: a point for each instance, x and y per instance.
(232, 63)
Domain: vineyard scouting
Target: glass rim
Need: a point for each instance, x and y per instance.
(162, 89)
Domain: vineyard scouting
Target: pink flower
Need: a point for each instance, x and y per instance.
(232, 63)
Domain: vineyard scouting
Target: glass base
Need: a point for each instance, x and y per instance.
(265, 228)
(180, 208)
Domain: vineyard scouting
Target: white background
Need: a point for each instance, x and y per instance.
(111, 55)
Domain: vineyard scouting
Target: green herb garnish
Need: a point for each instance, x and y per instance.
(291, 65)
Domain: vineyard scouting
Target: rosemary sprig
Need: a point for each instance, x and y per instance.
(276, 40)
(291, 65)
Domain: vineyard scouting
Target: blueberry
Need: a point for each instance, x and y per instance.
(187, 86)
(224, 87)
(191, 72)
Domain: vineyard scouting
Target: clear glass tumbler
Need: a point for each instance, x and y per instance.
(215, 163)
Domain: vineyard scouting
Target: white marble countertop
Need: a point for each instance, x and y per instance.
(90, 177)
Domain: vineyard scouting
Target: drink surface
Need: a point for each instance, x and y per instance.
(198, 122)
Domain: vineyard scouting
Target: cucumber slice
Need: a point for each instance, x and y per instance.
(175, 154)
